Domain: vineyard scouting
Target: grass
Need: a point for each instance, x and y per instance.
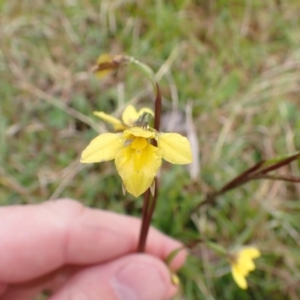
(237, 62)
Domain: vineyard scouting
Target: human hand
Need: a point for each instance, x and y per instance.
(78, 253)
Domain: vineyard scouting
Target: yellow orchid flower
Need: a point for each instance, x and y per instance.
(242, 263)
(137, 160)
(129, 117)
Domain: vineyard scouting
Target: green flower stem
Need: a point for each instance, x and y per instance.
(190, 245)
(173, 254)
(216, 248)
(157, 110)
(144, 69)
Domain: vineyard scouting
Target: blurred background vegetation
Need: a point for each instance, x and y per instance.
(235, 63)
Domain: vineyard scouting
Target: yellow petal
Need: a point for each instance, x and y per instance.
(137, 167)
(102, 73)
(245, 264)
(104, 58)
(130, 115)
(250, 252)
(117, 124)
(240, 268)
(138, 132)
(139, 143)
(176, 148)
(239, 278)
(102, 148)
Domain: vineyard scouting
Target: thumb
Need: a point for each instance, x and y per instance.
(133, 277)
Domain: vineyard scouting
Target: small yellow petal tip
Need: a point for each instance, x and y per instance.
(152, 188)
(175, 279)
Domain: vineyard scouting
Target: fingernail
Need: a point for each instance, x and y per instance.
(138, 281)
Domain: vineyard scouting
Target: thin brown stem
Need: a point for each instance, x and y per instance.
(279, 164)
(152, 204)
(143, 230)
(258, 171)
(241, 178)
(148, 209)
(281, 178)
(149, 200)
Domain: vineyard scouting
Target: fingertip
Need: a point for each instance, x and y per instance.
(138, 277)
(133, 277)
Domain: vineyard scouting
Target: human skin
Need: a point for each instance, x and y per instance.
(79, 253)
